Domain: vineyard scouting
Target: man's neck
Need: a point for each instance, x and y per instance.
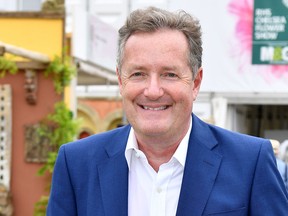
(158, 155)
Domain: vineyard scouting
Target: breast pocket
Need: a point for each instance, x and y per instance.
(235, 212)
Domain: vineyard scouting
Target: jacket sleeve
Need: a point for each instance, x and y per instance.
(62, 198)
(268, 193)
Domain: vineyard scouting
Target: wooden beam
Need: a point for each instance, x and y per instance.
(32, 65)
(19, 51)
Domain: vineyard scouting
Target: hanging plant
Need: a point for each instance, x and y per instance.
(62, 72)
(7, 65)
(58, 127)
(40, 206)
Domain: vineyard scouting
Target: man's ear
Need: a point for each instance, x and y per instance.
(119, 80)
(197, 83)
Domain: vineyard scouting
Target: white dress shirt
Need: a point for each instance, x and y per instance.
(154, 193)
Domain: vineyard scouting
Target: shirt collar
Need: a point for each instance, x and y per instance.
(179, 155)
(131, 145)
(181, 151)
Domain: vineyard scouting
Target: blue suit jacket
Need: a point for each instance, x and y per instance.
(225, 174)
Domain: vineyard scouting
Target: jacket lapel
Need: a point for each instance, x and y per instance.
(201, 168)
(113, 175)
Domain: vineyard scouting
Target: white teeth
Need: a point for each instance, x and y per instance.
(155, 109)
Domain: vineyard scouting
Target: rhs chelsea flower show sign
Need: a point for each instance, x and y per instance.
(270, 32)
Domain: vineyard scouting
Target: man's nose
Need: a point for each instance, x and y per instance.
(153, 89)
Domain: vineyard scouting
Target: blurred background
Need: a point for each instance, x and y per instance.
(58, 80)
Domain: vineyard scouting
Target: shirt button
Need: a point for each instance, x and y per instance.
(137, 155)
(159, 190)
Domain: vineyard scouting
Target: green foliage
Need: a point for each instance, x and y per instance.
(59, 127)
(40, 206)
(62, 72)
(7, 65)
(49, 165)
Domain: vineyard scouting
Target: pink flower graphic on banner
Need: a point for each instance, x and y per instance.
(243, 10)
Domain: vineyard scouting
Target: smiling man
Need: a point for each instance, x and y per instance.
(158, 89)
(166, 161)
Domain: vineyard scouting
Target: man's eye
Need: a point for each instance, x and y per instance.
(137, 74)
(170, 75)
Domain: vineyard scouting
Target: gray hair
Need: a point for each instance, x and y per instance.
(152, 19)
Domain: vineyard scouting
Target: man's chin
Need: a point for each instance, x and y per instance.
(153, 130)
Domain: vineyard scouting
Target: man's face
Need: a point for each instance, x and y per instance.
(156, 83)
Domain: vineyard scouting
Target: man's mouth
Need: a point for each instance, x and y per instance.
(155, 108)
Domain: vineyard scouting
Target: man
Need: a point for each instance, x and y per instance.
(166, 161)
(281, 165)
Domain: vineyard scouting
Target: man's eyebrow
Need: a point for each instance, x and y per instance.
(136, 67)
(169, 68)
(142, 67)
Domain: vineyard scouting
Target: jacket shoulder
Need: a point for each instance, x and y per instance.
(98, 145)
